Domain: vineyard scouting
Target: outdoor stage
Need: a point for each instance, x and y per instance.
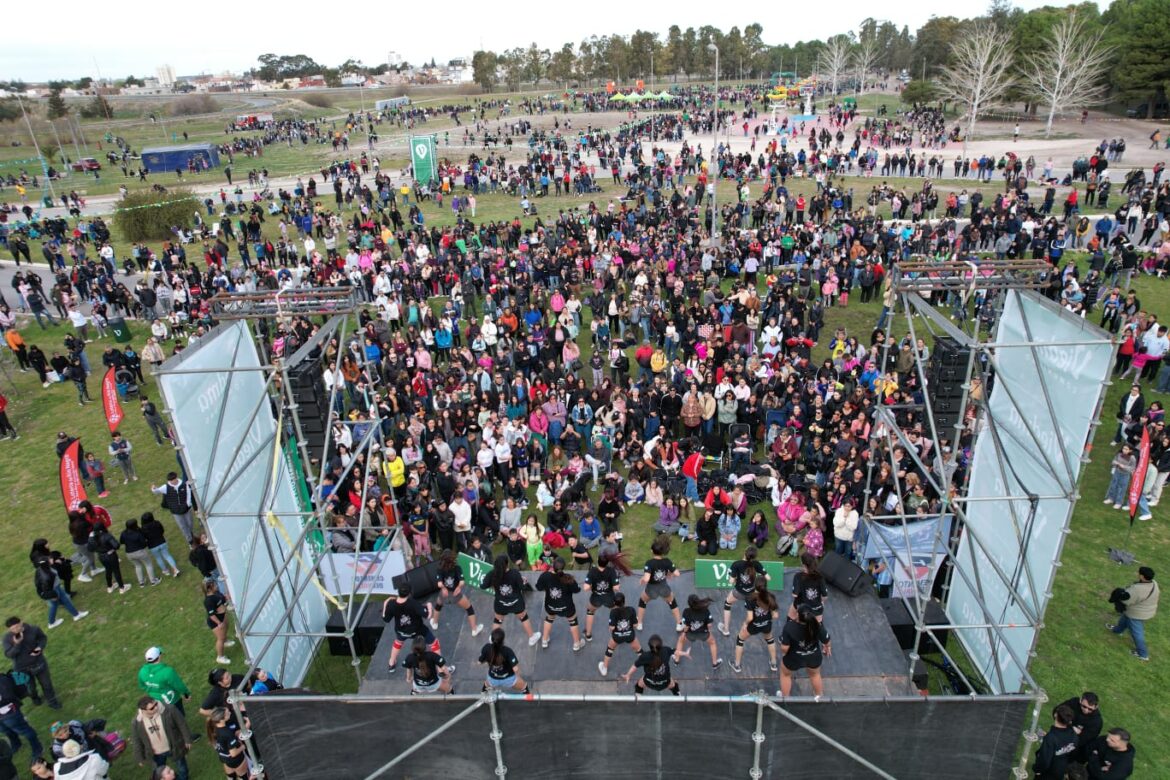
(866, 660)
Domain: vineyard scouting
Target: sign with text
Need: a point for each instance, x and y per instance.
(422, 158)
(372, 572)
(474, 570)
(715, 574)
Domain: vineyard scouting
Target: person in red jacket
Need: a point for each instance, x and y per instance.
(6, 428)
(690, 469)
(717, 499)
(642, 357)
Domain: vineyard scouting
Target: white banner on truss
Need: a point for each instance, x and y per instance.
(1041, 410)
(225, 423)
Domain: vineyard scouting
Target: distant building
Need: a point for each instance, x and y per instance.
(166, 75)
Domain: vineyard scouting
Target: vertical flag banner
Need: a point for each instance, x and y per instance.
(110, 402)
(422, 158)
(72, 489)
(1138, 481)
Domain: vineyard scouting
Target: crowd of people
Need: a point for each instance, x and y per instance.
(605, 356)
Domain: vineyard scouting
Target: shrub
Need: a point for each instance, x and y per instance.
(318, 99)
(149, 216)
(189, 105)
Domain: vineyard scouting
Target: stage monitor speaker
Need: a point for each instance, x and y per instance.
(902, 624)
(920, 676)
(423, 579)
(949, 352)
(366, 634)
(844, 575)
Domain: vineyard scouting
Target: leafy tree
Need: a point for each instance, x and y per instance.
(9, 109)
(83, 83)
(56, 107)
(483, 69)
(536, 62)
(932, 45)
(1139, 32)
(133, 81)
(98, 108)
(562, 65)
(919, 91)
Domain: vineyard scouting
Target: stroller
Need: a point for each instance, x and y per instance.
(127, 384)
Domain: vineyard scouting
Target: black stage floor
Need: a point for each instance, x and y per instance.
(866, 660)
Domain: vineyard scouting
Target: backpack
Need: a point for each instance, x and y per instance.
(43, 581)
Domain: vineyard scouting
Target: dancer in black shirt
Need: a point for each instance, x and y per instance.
(621, 631)
(410, 620)
(801, 644)
(559, 587)
(808, 589)
(656, 579)
(743, 579)
(762, 610)
(508, 585)
(602, 583)
(450, 581)
(697, 617)
(427, 672)
(501, 663)
(655, 665)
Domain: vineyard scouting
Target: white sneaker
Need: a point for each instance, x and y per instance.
(638, 627)
(543, 645)
(578, 647)
(478, 630)
(601, 667)
(1109, 501)
(223, 659)
(435, 625)
(56, 623)
(1146, 516)
(110, 589)
(723, 629)
(79, 616)
(680, 627)
(84, 578)
(99, 570)
(126, 587)
(532, 640)
(230, 643)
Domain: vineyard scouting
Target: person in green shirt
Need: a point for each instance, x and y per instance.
(161, 682)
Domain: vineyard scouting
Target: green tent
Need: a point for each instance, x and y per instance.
(619, 97)
(665, 96)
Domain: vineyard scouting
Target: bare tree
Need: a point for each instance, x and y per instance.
(980, 72)
(1068, 71)
(865, 54)
(833, 61)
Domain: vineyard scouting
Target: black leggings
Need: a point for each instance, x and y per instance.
(113, 571)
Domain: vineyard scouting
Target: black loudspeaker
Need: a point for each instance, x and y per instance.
(366, 634)
(308, 390)
(423, 580)
(845, 576)
(903, 625)
(920, 676)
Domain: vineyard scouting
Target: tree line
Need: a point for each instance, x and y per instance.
(1135, 34)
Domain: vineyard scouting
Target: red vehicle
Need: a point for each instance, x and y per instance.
(87, 164)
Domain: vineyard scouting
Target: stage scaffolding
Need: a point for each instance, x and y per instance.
(922, 287)
(296, 559)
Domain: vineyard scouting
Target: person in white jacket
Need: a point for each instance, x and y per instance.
(845, 521)
(78, 764)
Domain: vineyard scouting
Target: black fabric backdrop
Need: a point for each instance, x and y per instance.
(908, 738)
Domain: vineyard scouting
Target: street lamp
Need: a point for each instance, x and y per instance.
(714, 156)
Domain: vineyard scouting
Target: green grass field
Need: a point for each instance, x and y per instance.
(95, 661)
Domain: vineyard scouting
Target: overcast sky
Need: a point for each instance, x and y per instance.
(133, 37)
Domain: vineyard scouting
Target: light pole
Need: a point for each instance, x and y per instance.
(714, 155)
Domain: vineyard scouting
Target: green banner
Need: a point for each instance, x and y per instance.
(714, 574)
(474, 570)
(422, 157)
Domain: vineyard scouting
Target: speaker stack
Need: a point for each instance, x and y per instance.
(308, 390)
(945, 376)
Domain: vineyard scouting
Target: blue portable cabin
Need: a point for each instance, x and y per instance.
(160, 159)
(389, 103)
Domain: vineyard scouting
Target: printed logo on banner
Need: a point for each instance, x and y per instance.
(474, 570)
(371, 572)
(715, 574)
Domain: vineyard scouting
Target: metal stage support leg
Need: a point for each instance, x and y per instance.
(496, 736)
